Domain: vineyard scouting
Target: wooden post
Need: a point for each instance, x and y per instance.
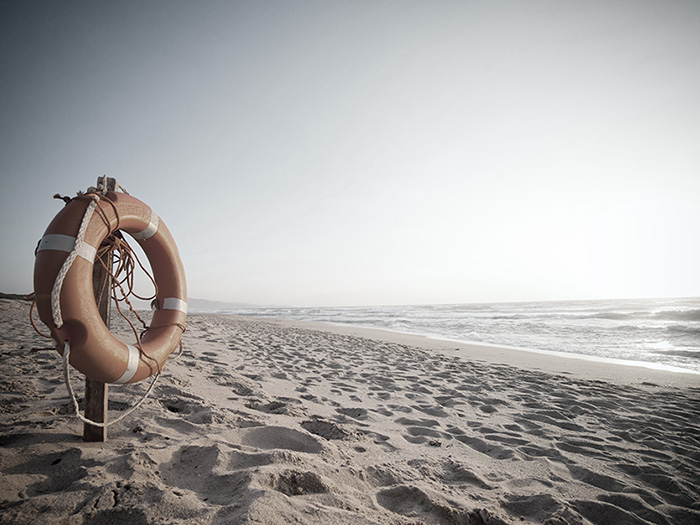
(96, 392)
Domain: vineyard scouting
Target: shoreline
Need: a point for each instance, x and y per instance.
(579, 365)
(559, 354)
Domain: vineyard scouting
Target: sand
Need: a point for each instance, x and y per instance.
(263, 421)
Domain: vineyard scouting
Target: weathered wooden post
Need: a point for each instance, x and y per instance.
(96, 392)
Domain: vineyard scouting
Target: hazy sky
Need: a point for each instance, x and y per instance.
(368, 152)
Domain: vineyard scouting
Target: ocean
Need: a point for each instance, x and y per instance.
(662, 333)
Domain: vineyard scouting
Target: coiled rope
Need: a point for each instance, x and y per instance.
(113, 243)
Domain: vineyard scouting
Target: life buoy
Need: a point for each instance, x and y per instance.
(94, 350)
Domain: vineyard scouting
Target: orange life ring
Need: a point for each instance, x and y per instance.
(94, 350)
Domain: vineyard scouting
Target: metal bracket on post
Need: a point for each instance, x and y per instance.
(96, 392)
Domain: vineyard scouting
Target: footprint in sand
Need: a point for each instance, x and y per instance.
(492, 450)
(296, 483)
(415, 503)
(537, 507)
(327, 429)
(422, 430)
(418, 435)
(431, 410)
(355, 413)
(202, 469)
(280, 405)
(66, 468)
(458, 474)
(274, 437)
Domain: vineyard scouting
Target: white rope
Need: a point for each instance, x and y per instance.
(58, 284)
(58, 317)
(66, 375)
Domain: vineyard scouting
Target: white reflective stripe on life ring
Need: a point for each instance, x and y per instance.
(148, 231)
(66, 243)
(132, 366)
(173, 303)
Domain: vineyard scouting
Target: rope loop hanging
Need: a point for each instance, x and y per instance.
(76, 406)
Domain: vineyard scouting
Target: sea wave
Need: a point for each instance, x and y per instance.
(663, 315)
(684, 330)
(679, 315)
(623, 329)
(690, 354)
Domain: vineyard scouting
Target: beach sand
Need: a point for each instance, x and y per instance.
(264, 421)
